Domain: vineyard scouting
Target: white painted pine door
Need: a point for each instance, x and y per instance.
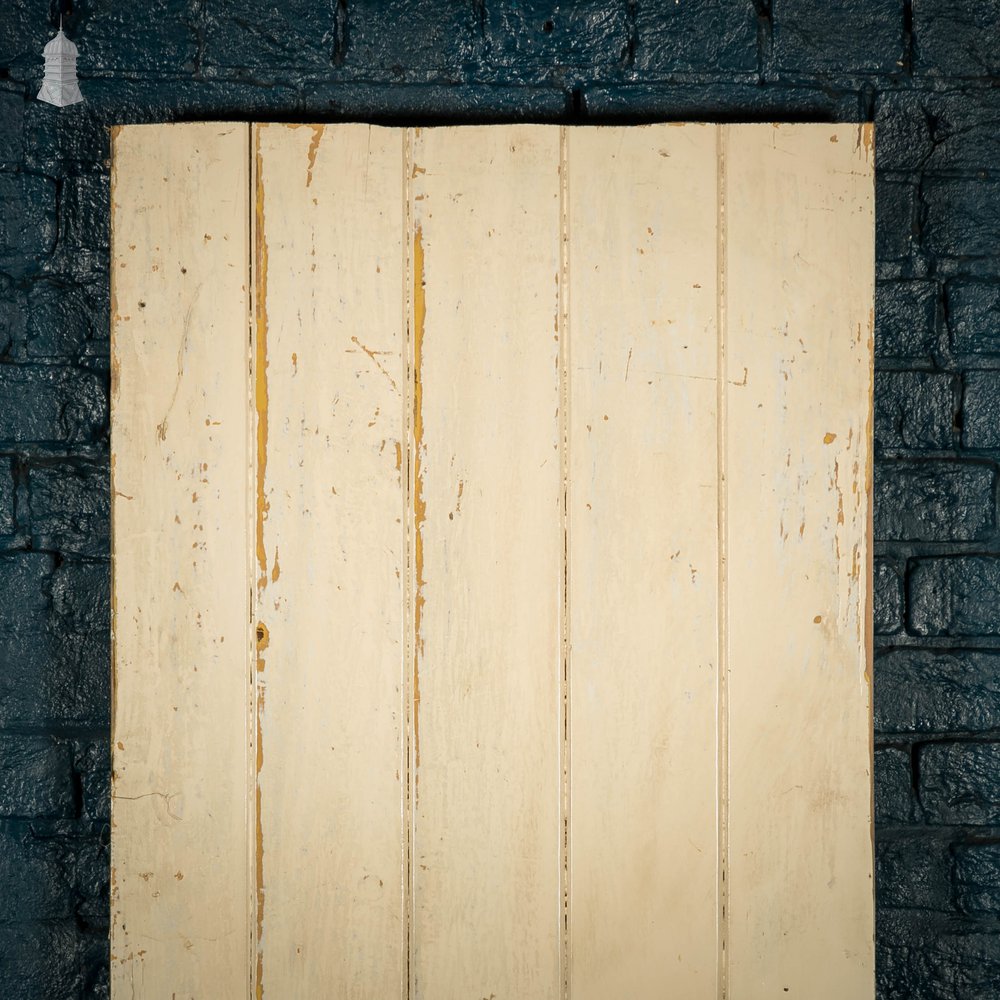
(492, 562)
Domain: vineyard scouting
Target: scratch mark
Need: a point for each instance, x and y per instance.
(378, 364)
(161, 427)
(628, 361)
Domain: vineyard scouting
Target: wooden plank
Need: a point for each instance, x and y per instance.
(798, 277)
(487, 564)
(643, 562)
(179, 880)
(331, 564)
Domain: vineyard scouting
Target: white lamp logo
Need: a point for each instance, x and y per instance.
(60, 86)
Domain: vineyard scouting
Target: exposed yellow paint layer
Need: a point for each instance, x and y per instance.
(317, 131)
(260, 373)
(260, 406)
(419, 504)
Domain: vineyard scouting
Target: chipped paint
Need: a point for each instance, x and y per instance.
(867, 138)
(260, 400)
(317, 135)
(260, 371)
(419, 504)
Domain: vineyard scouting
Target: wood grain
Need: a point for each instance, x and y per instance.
(643, 562)
(179, 879)
(799, 272)
(331, 564)
(488, 559)
(494, 620)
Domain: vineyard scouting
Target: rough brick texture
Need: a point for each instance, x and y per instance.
(924, 70)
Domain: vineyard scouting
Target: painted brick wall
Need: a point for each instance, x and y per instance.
(925, 70)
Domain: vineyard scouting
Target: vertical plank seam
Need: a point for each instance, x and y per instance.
(251, 743)
(564, 636)
(409, 639)
(721, 416)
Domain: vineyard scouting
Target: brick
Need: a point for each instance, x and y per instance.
(35, 777)
(12, 314)
(589, 34)
(90, 863)
(83, 212)
(23, 579)
(887, 600)
(981, 410)
(929, 130)
(27, 219)
(973, 316)
(977, 879)
(24, 30)
(34, 878)
(955, 595)
(63, 317)
(930, 691)
(705, 36)
(896, 219)
(893, 787)
(95, 959)
(943, 966)
(964, 130)
(11, 128)
(962, 217)
(913, 873)
(440, 102)
(905, 319)
(81, 595)
(7, 497)
(51, 404)
(41, 960)
(55, 676)
(814, 36)
(248, 35)
(74, 137)
(397, 37)
(70, 508)
(92, 761)
(54, 642)
(914, 411)
(164, 40)
(960, 783)
(726, 101)
(934, 501)
(957, 38)
(903, 141)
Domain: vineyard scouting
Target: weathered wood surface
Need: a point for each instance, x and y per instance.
(488, 550)
(179, 878)
(330, 495)
(538, 535)
(643, 562)
(799, 270)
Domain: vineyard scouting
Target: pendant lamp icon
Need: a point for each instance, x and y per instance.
(60, 86)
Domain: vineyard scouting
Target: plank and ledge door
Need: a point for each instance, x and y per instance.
(492, 562)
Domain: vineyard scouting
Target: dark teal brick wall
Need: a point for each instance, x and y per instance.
(924, 70)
